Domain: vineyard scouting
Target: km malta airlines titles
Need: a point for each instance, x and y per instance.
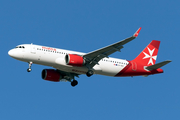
(70, 64)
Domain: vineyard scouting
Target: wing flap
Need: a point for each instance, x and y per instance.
(158, 65)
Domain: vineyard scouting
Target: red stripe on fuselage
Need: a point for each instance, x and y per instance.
(129, 70)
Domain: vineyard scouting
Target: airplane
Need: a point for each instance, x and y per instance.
(70, 64)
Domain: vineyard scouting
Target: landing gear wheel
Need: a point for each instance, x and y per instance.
(89, 73)
(29, 70)
(74, 83)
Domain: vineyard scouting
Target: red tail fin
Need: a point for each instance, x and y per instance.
(148, 56)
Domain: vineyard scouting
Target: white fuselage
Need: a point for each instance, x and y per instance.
(55, 58)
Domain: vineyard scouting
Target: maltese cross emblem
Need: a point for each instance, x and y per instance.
(150, 56)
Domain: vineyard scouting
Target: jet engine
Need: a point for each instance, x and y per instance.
(74, 60)
(51, 75)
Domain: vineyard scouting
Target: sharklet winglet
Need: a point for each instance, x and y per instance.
(137, 32)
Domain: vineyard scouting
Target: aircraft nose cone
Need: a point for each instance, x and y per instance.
(17, 54)
(10, 53)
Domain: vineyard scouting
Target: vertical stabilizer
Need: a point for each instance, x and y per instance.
(149, 55)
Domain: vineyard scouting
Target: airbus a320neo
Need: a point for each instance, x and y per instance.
(70, 64)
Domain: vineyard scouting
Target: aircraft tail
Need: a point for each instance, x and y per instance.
(149, 55)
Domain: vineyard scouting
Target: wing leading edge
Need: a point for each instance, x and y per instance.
(92, 58)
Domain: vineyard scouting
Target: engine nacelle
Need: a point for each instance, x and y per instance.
(74, 60)
(51, 75)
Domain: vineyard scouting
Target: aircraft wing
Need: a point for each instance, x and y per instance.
(92, 58)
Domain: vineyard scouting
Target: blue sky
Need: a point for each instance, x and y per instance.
(86, 26)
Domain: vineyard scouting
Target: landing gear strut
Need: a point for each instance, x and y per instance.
(74, 83)
(29, 69)
(89, 73)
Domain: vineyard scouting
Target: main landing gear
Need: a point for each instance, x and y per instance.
(74, 83)
(89, 73)
(29, 69)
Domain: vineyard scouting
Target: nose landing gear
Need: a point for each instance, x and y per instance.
(29, 69)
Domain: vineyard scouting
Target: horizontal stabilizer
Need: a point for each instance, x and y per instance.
(158, 65)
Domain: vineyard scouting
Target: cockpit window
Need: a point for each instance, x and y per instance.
(19, 47)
